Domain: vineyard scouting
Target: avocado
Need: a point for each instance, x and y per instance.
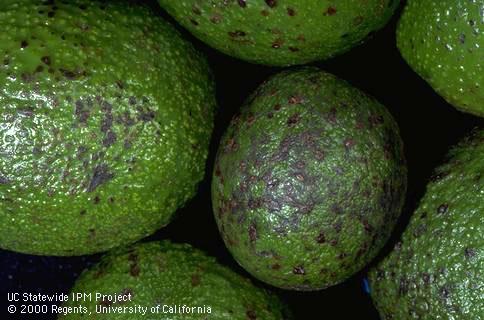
(309, 180)
(106, 116)
(281, 32)
(172, 281)
(435, 271)
(443, 40)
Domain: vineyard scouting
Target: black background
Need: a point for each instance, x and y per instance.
(429, 126)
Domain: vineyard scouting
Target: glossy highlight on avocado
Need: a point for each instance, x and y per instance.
(105, 119)
(443, 41)
(281, 32)
(170, 275)
(309, 180)
(435, 271)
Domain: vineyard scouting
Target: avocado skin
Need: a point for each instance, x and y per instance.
(106, 116)
(442, 41)
(175, 274)
(281, 32)
(309, 180)
(435, 271)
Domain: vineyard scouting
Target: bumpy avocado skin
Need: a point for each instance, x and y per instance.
(435, 271)
(281, 32)
(174, 274)
(443, 40)
(309, 181)
(106, 116)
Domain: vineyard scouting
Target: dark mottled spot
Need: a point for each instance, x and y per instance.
(251, 315)
(277, 107)
(196, 10)
(147, 116)
(3, 180)
(276, 266)
(294, 119)
(97, 200)
(195, 280)
(242, 3)
(462, 38)
(265, 13)
(470, 253)
(216, 18)
(321, 238)
(101, 175)
(295, 100)
(349, 143)
(134, 270)
(83, 212)
(81, 113)
(194, 22)
(252, 232)
(403, 286)
(291, 12)
(271, 3)
(231, 145)
(293, 49)
(69, 74)
(110, 139)
(27, 77)
(51, 14)
(39, 69)
(132, 100)
(105, 302)
(6, 62)
(299, 270)
(277, 43)
(442, 208)
(426, 278)
(24, 44)
(330, 11)
(334, 242)
(444, 293)
(237, 33)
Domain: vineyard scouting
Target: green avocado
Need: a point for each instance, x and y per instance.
(281, 32)
(172, 282)
(436, 270)
(309, 180)
(443, 41)
(105, 120)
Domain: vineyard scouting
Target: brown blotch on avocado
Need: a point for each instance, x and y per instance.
(271, 3)
(100, 176)
(299, 270)
(331, 11)
(443, 208)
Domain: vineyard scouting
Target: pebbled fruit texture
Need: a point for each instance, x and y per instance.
(281, 32)
(309, 181)
(435, 271)
(105, 120)
(167, 274)
(443, 41)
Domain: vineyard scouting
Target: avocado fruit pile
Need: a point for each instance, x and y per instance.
(106, 116)
(309, 180)
(435, 271)
(281, 32)
(107, 109)
(152, 273)
(443, 40)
